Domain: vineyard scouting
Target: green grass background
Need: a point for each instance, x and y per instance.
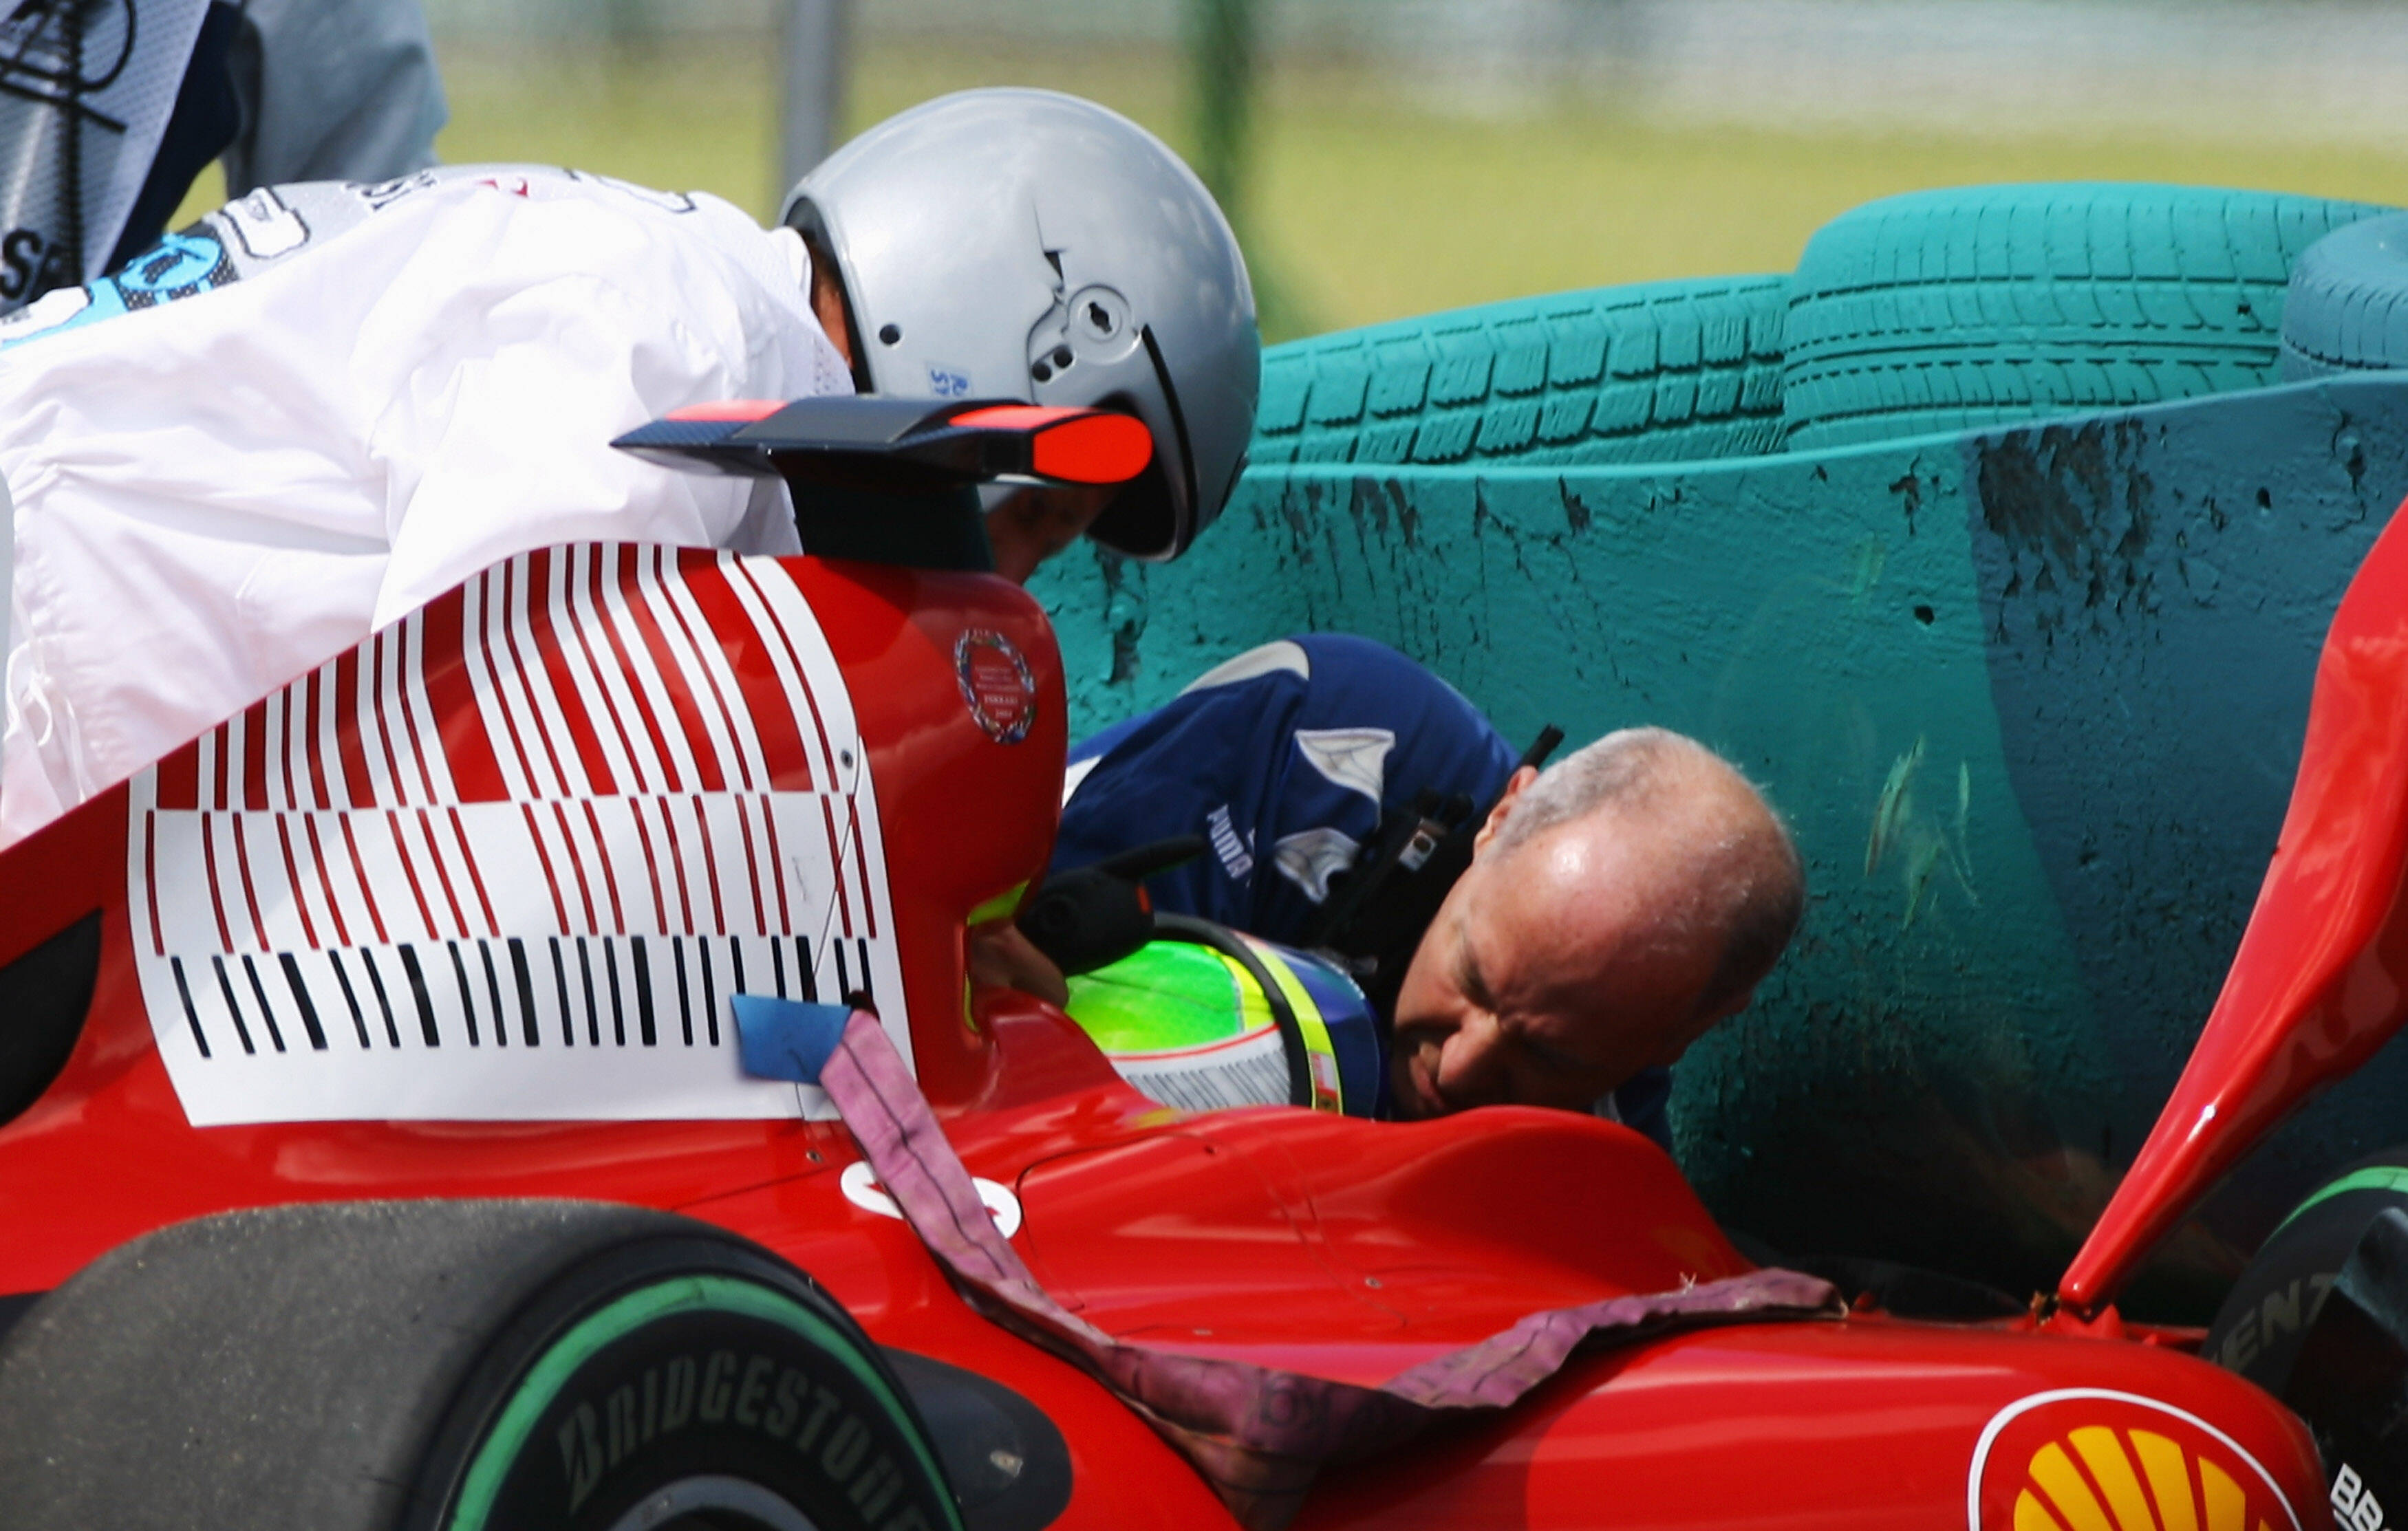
(1367, 203)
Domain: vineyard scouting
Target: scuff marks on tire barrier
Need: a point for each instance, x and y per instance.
(2100, 630)
(1922, 843)
(2070, 507)
(1375, 500)
(1577, 514)
(1908, 487)
(2154, 589)
(1123, 611)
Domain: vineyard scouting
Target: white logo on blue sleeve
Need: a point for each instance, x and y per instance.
(1228, 846)
(1353, 758)
(1310, 857)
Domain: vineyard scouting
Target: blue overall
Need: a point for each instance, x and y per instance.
(1284, 759)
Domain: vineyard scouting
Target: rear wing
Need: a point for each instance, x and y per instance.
(894, 480)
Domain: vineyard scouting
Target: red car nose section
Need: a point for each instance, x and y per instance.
(1258, 1434)
(2321, 979)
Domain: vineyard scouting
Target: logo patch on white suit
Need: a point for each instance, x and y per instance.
(508, 860)
(265, 226)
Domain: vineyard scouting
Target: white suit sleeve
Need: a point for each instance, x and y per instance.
(498, 441)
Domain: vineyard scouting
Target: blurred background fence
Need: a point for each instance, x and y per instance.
(1389, 157)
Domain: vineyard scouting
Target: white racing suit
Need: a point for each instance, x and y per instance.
(328, 404)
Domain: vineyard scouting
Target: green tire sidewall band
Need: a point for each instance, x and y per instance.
(536, 1390)
(2372, 1178)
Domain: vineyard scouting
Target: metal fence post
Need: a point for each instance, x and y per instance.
(817, 43)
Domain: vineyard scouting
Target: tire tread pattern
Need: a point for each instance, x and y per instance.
(1948, 310)
(330, 1365)
(2347, 311)
(1661, 371)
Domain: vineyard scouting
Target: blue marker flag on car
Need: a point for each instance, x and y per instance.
(786, 1039)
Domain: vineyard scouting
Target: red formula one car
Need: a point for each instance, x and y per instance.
(380, 1147)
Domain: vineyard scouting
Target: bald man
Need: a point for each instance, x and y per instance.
(1615, 905)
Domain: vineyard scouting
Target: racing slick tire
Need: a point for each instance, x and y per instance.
(1654, 372)
(407, 1365)
(2319, 1319)
(1949, 309)
(2347, 311)
(2258, 1330)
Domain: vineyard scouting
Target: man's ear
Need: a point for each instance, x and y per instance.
(1513, 785)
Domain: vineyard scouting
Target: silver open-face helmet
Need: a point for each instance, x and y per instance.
(1024, 244)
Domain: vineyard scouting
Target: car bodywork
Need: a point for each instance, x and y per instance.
(458, 913)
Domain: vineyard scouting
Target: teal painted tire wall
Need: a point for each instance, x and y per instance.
(2030, 696)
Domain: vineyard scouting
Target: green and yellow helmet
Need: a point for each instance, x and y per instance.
(1205, 1019)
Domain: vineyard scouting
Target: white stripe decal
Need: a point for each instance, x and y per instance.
(480, 645)
(814, 732)
(532, 623)
(205, 766)
(230, 759)
(368, 709)
(426, 736)
(329, 742)
(385, 989)
(820, 761)
(619, 712)
(618, 608)
(274, 777)
(800, 634)
(565, 605)
(519, 668)
(741, 762)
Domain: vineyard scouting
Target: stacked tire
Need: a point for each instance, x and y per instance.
(1934, 311)
(1673, 371)
(2348, 307)
(1979, 306)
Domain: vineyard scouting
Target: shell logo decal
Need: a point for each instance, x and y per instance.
(2086, 1459)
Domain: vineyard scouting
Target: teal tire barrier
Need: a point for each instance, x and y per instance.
(472, 1366)
(1655, 372)
(2030, 696)
(1953, 309)
(2347, 311)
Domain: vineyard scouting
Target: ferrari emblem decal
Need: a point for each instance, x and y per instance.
(996, 684)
